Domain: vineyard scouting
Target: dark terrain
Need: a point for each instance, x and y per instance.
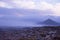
(33, 33)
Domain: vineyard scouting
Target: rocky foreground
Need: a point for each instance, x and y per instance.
(34, 33)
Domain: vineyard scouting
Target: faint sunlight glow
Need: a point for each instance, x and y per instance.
(45, 6)
(56, 9)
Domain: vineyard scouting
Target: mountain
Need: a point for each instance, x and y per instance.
(50, 22)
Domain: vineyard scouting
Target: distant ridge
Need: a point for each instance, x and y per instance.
(50, 22)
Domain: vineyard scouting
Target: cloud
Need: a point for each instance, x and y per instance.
(56, 9)
(33, 4)
(45, 6)
(5, 5)
(53, 8)
(28, 4)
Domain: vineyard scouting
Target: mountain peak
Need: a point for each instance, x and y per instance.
(50, 22)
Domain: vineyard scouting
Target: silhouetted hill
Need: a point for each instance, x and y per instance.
(50, 22)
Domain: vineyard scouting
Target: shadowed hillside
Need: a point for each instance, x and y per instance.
(34, 33)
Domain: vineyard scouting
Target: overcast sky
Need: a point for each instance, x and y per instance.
(27, 12)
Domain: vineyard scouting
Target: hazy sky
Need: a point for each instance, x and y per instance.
(17, 12)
